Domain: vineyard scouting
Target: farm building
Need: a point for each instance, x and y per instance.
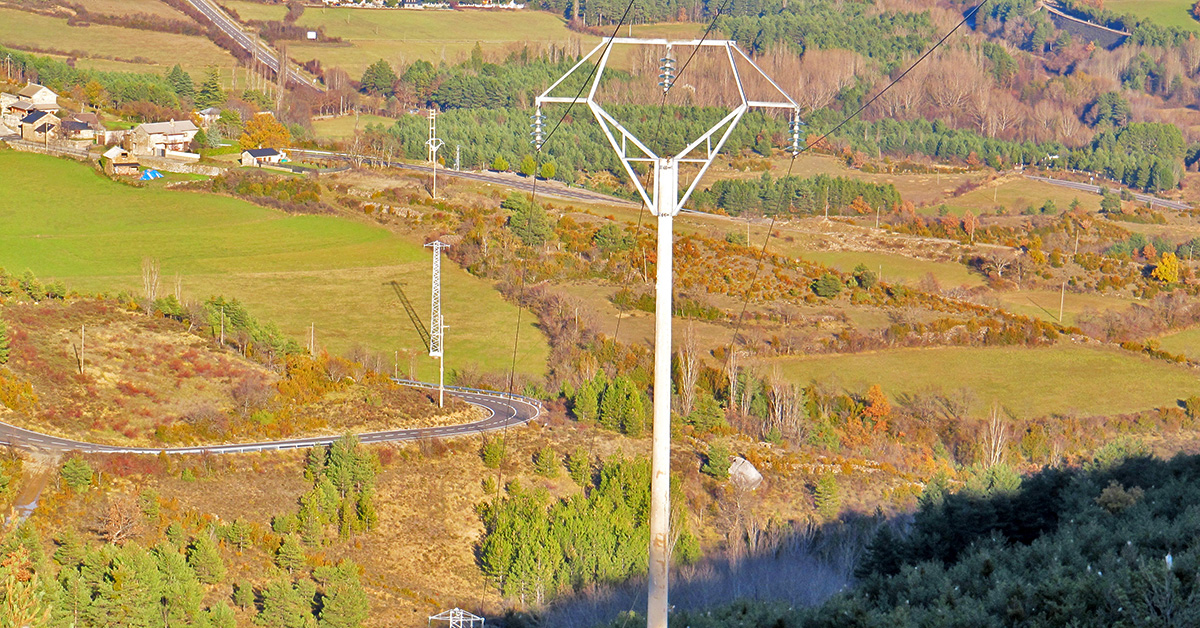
(208, 116)
(39, 126)
(14, 110)
(82, 126)
(118, 161)
(42, 97)
(156, 138)
(260, 156)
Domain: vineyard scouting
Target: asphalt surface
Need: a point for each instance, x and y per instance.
(557, 191)
(502, 410)
(265, 54)
(1095, 189)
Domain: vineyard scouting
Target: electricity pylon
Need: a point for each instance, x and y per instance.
(437, 330)
(664, 202)
(434, 143)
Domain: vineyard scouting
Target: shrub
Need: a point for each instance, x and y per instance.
(827, 286)
(493, 453)
(717, 461)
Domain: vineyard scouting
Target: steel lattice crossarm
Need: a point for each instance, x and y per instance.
(630, 149)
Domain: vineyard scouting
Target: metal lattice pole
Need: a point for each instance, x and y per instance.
(664, 201)
(436, 326)
(433, 143)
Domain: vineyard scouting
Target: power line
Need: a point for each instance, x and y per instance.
(763, 251)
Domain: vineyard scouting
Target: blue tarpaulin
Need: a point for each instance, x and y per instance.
(150, 174)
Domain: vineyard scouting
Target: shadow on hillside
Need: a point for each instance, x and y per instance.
(802, 565)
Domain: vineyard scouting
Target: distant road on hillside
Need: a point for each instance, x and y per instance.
(1095, 189)
(545, 188)
(265, 53)
(502, 411)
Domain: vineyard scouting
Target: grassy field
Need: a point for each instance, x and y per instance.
(1044, 304)
(1017, 193)
(1035, 382)
(132, 7)
(401, 37)
(1164, 12)
(918, 188)
(894, 268)
(148, 51)
(294, 270)
(337, 128)
(1186, 342)
(256, 10)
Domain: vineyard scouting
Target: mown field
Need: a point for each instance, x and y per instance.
(338, 128)
(139, 50)
(1165, 12)
(1186, 342)
(401, 37)
(132, 7)
(1033, 382)
(294, 270)
(1016, 193)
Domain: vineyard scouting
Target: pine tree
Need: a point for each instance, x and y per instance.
(528, 221)
(586, 404)
(379, 78)
(206, 560)
(345, 604)
(222, 616)
(367, 516)
(290, 555)
(707, 413)
(238, 534)
(827, 496)
(528, 165)
(579, 466)
(546, 462)
(181, 83)
(717, 461)
(493, 453)
(3, 342)
(77, 474)
(210, 93)
(243, 594)
(282, 606)
(180, 593)
(499, 164)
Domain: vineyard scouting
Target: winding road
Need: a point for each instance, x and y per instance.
(502, 410)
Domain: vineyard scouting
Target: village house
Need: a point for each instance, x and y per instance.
(39, 126)
(14, 110)
(118, 161)
(42, 97)
(260, 156)
(157, 138)
(82, 126)
(208, 117)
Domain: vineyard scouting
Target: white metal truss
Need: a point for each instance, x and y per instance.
(630, 149)
(437, 328)
(665, 202)
(457, 618)
(433, 143)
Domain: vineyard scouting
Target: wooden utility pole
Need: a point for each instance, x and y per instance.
(1062, 299)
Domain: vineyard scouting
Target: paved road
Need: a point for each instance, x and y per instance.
(265, 53)
(502, 411)
(1095, 189)
(525, 185)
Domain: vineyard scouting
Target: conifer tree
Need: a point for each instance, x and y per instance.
(206, 560)
(283, 606)
(290, 555)
(210, 93)
(546, 462)
(828, 497)
(527, 220)
(586, 405)
(345, 604)
(181, 83)
(222, 616)
(243, 594)
(528, 165)
(3, 342)
(579, 466)
(717, 462)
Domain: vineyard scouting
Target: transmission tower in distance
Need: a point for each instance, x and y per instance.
(665, 202)
(437, 330)
(434, 143)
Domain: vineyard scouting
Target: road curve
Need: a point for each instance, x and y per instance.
(502, 411)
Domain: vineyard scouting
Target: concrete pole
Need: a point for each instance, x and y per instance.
(666, 193)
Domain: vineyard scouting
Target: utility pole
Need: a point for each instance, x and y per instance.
(436, 326)
(664, 201)
(434, 143)
(458, 157)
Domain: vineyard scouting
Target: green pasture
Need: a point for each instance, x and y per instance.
(338, 128)
(1032, 382)
(64, 221)
(1164, 12)
(1044, 304)
(132, 7)
(1016, 194)
(1186, 342)
(896, 268)
(152, 51)
(257, 10)
(403, 36)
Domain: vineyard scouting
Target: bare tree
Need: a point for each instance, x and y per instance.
(785, 406)
(995, 439)
(689, 371)
(150, 277)
(122, 520)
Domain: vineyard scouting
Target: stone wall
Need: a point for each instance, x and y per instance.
(57, 150)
